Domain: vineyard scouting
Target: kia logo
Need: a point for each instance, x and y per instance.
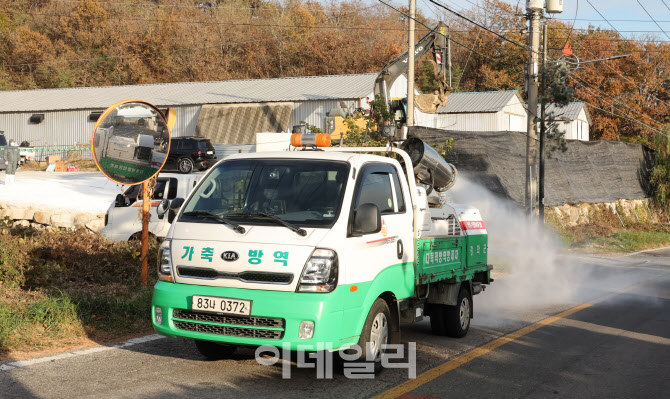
(230, 256)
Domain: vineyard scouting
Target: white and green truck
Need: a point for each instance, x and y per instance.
(332, 246)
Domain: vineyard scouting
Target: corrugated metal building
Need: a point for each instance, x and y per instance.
(574, 120)
(220, 110)
(479, 112)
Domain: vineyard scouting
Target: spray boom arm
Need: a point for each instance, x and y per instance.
(434, 40)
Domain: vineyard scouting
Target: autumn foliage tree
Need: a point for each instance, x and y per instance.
(50, 44)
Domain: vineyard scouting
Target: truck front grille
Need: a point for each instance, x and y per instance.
(229, 331)
(247, 277)
(227, 319)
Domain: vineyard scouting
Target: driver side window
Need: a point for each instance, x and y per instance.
(375, 188)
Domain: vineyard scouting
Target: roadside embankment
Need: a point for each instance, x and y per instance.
(19, 215)
(60, 288)
(610, 228)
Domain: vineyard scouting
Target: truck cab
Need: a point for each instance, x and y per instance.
(304, 248)
(121, 219)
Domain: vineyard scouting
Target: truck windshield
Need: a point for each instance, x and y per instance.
(301, 192)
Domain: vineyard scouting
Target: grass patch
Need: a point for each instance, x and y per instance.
(631, 241)
(36, 321)
(61, 286)
(605, 235)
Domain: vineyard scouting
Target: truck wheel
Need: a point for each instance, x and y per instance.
(214, 350)
(376, 333)
(185, 165)
(458, 317)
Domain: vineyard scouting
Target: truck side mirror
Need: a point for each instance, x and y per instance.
(175, 204)
(162, 208)
(367, 220)
(119, 202)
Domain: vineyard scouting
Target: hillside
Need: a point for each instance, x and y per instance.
(75, 43)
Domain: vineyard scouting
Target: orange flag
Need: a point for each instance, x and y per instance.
(567, 50)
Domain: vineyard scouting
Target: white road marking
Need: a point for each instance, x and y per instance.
(80, 352)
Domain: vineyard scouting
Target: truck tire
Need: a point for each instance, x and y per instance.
(214, 350)
(457, 318)
(376, 333)
(185, 165)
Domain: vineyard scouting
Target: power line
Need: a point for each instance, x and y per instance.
(523, 46)
(201, 7)
(638, 85)
(652, 18)
(619, 31)
(143, 55)
(572, 26)
(454, 41)
(603, 20)
(603, 17)
(617, 40)
(591, 88)
(655, 130)
(220, 23)
(533, 113)
(619, 50)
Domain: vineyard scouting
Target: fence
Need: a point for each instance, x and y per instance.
(65, 152)
(589, 171)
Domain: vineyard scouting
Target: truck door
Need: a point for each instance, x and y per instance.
(388, 254)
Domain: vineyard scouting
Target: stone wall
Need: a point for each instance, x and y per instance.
(624, 212)
(40, 219)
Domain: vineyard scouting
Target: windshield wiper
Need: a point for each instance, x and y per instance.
(223, 220)
(302, 232)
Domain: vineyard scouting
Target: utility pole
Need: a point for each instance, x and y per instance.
(543, 128)
(449, 55)
(533, 8)
(410, 67)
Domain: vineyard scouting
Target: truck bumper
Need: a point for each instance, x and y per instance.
(275, 317)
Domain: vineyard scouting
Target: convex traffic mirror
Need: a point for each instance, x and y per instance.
(131, 141)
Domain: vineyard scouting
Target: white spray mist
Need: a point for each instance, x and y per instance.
(527, 262)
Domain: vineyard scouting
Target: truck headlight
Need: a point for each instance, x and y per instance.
(165, 262)
(320, 272)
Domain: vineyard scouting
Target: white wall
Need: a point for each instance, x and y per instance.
(577, 129)
(512, 117)
(314, 112)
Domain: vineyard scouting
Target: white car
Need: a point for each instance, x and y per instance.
(122, 221)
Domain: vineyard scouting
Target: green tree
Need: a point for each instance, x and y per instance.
(426, 80)
(370, 136)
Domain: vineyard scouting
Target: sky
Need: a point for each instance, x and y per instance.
(638, 21)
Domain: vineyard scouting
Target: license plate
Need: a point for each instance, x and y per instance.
(214, 304)
(210, 152)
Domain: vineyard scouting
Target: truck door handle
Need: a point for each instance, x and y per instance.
(400, 249)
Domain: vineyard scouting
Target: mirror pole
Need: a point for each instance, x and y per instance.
(146, 207)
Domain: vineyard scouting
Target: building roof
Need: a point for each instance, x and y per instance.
(568, 113)
(331, 87)
(475, 102)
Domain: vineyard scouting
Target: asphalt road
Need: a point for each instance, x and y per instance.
(608, 337)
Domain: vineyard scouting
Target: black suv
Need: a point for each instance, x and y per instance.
(188, 153)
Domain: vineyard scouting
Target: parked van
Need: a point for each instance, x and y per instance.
(122, 222)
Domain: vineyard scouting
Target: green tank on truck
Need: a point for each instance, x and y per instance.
(325, 247)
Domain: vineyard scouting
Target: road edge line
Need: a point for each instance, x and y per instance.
(79, 352)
